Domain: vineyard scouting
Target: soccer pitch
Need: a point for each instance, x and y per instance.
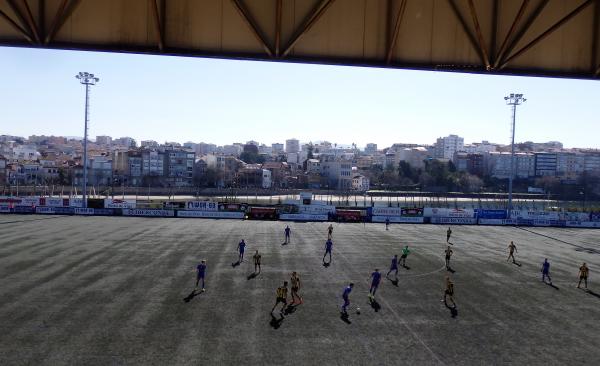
(110, 290)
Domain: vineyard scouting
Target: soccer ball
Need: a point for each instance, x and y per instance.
(358, 310)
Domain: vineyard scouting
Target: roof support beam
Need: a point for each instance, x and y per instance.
(392, 45)
(308, 23)
(247, 17)
(511, 31)
(24, 22)
(278, 27)
(482, 49)
(158, 24)
(595, 36)
(494, 30)
(42, 18)
(64, 11)
(465, 28)
(17, 27)
(548, 31)
(532, 17)
(31, 21)
(597, 73)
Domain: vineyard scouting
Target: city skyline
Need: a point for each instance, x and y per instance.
(165, 98)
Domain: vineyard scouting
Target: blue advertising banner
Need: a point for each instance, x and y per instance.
(492, 214)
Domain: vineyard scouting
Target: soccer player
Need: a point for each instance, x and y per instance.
(448, 255)
(405, 253)
(546, 271)
(512, 248)
(281, 297)
(201, 273)
(376, 276)
(448, 233)
(328, 246)
(449, 292)
(394, 266)
(295, 279)
(287, 234)
(241, 248)
(387, 223)
(346, 297)
(583, 275)
(256, 258)
(330, 231)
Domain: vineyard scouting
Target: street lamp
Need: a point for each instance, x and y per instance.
(513, 100)
(88, 80)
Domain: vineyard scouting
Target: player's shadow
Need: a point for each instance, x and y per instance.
(406, 267)
(284, 243)
(235, 264)
(393, 281)
(551, 285)
(345, 318)
(191, 296)
(290, 309)
(453, 310)
(449, 269)
(375, 305)
(275, 322)
(517, 263)
(326, 264)
(592, 293)
(253, 275)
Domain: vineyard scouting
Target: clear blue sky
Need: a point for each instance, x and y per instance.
(220, 101)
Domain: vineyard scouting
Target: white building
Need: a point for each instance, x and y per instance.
(371, 149)
(267, 182)
(277, 148)
(360, 183)
(414, 156)
(149, 144)
(445, 147)
(233, 150)
(103, 140)
(292, 146)
(570, 165)
(153, 163)
(498, 164)
(338, 173)
(480, 147)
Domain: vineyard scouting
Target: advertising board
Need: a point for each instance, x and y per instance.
(76, 202)
(535, 215)
(202, 206)
(54, 202)
(316, 209)
(211, 214)
(412, 211)
(28, 201)
(148, 212)
(492, 214)
(84, 211)
(454, 220)
(23, 209)
(386, 211)
(119, 203)
(398, 219)
(4, 209)
(233, 207)
(303, 217)
(449, 212)
(490, 221)
(44, 210)
(584, 224)
(574, 216)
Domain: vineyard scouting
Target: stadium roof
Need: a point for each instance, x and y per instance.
(521, 37)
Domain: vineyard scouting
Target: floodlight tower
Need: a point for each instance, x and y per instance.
(513, 100)
(88, 80)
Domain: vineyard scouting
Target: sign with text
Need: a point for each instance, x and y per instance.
(54, 202)
(449, 212)
(316, 209)
(119, 203)
(303, 217)
(148, 212)
(399, 219)
(454, 220)
(202, 206)
(211, 214)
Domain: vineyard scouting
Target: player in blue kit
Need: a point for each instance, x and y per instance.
(394, 266)
(241, 249)
(376, 279)
(287, 234)
(201, 273)
(345, 296)
(546, 271)
(328, 247)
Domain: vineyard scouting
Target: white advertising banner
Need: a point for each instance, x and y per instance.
(496, 222)
(118, 203)
(29, 201)
(84, 211)
(535, 215)
(76, 202)
(52, 202)
(303, 217)
(449, 212)
(574, 216)
(202, 206)
(316, 209)
(211, 214)
(408, 220)
(387, 211)
(148, 212)
(454, 220)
